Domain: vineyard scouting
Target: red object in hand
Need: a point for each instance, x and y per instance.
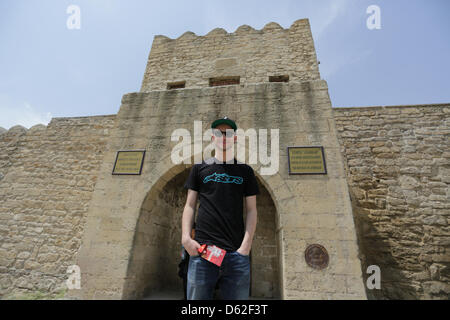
(202, 248)
(212, 254)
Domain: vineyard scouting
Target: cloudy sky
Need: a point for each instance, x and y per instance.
(49, 70)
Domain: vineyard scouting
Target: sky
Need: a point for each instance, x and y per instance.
(49, 69)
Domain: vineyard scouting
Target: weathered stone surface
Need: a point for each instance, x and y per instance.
(412, 186)
(41, 211)
(61, 206)
(251, 54)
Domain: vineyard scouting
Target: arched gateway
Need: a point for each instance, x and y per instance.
(153, 267)
(265, 80)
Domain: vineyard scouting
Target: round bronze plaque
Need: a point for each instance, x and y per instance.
(316, 256)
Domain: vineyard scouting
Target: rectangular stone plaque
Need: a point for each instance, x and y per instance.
(129, 162)
(306, 160)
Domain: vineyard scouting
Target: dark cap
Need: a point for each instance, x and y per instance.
(224, 120)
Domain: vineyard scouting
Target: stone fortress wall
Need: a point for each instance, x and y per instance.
(398, 171)
(252, 55)
(396, 162)
(47, 176)
(397, 165)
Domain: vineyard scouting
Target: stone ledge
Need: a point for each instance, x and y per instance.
(365, 108)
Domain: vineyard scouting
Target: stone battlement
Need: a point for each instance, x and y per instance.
(244, 56)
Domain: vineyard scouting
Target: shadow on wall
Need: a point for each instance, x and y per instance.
(376, 249)
(398, 173)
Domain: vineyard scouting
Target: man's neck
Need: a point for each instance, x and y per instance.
(224, 157)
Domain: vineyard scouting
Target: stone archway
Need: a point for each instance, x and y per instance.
(153, 266)
(265, 255)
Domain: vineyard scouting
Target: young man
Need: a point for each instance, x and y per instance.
(220, 183)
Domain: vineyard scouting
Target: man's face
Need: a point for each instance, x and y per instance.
(221, 141)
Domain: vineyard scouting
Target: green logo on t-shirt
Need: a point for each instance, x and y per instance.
(223, 178)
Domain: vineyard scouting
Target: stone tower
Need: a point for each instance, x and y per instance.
(264, 79)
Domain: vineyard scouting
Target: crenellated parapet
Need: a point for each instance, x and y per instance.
(244, 56)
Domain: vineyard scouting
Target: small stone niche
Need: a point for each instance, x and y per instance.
(224, 81)
(176, 85)
(283, 78)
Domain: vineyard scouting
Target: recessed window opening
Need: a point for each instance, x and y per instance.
(283, 78)
(176, 85)
(223, 81)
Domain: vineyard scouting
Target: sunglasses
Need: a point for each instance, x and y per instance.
(218, 133)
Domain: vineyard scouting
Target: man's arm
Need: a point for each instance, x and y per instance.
(250, 225)
(187, 221)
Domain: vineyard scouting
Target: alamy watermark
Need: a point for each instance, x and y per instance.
(374, 20)
(257, 151)
(374, 281)
(74, 280)
(74, 20)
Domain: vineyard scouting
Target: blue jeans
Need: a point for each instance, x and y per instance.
(233, 277)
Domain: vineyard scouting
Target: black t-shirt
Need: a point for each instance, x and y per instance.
(221, 188)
